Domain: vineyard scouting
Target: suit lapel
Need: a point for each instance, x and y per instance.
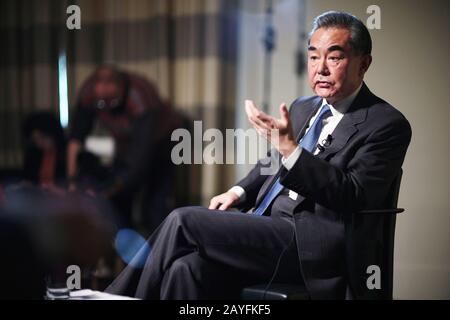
(343, 132)
(347, 127)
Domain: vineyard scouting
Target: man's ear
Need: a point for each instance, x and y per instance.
(366, 60)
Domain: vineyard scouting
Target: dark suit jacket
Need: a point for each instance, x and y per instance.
(355, 172)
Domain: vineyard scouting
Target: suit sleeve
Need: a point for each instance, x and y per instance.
(254, 180)
(364, 182)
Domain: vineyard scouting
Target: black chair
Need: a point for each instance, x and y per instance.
(282, 291)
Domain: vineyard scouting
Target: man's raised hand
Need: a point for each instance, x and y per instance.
(278, 132)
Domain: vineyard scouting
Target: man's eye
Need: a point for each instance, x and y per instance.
(335, 58)
(313, 58)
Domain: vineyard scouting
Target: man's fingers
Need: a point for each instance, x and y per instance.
(254, 112)
(227, 204)
(257, 118)
(250, 108)
(265, 124)
(258, 125)
(264, 117)
(224, 206)
(262, 125)
(220, 202)
(284, 112)
(213, 204)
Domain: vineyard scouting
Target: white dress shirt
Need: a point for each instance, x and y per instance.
(329, 124)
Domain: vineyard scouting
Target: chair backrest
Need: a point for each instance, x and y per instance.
(379, 225)
(370, 236)
(392, 198)
(389, 236)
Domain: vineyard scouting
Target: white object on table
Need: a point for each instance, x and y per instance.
(88, 294)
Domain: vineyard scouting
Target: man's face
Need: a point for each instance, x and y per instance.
(106, 87)
(334, 70)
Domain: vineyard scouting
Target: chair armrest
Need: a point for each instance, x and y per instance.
(382, 211)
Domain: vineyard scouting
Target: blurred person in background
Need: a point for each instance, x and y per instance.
(140, 123)
(45, 154)
(45, 145)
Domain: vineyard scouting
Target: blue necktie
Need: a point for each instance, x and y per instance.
(308, 142)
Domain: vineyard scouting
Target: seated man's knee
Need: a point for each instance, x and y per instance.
(182, 212)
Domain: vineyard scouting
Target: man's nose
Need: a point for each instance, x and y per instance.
(322, 67)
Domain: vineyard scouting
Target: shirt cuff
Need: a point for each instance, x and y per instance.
(289, 162)
(239, 191)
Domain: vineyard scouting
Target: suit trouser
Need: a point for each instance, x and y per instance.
(198, 253)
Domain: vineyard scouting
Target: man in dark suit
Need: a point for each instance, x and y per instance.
(340, 152)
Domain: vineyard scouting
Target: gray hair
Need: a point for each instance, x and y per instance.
(360, 39)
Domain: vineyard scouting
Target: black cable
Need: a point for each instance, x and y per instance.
(278, 263)
(269, 47)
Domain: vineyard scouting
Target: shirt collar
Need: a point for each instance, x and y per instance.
(342, 106)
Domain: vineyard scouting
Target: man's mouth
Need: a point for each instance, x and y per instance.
(323, 84)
